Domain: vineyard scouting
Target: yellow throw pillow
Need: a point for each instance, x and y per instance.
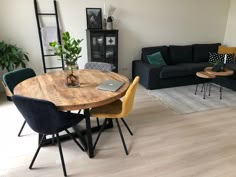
(225, 50)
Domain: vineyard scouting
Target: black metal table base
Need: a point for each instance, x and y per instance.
(207, 87)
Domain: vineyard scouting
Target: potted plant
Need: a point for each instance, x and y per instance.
(11, 57)
(69, 51)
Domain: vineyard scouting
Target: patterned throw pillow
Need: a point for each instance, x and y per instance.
(214, 57)
(229, 58)
(220, 58)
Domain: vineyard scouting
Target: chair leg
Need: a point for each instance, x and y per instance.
(36, 153)
(122, 138)
(100, 132)
(21, 128)
(61, 155)
(73, 138)
(98, 123)
(131, 133)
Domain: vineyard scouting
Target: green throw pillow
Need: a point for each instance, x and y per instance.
(156, 59)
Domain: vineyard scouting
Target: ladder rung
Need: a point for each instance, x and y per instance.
(55, 67)
(51, 55)
(46, 14)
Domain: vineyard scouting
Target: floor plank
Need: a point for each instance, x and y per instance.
(165, 144)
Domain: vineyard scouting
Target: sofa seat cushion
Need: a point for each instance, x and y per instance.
(232, 66)
(174, 71)
(201, 51)
(182, 70)
(151, 50)
(180, 54)
(194, 67)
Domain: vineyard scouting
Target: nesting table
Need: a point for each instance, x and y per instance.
(209, 74)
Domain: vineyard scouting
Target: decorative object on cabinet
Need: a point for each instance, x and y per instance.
(94, 18)
(103, 46)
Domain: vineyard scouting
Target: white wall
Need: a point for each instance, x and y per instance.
(141, 24)
(230, 34)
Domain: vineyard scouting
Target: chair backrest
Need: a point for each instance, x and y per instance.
(128, 99)
(41, 115)
(99, 66)
(12, 78)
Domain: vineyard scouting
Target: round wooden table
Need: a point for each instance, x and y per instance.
(51, 86)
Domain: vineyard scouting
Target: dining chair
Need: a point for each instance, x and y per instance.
(12, 78)
(44, 118)
(117, 110)
(101, 66)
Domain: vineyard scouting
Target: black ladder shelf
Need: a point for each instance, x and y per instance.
(38, 14)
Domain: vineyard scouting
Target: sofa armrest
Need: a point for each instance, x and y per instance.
(149, 74)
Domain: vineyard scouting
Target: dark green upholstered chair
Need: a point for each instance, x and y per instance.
(44, 118)
(12, 78)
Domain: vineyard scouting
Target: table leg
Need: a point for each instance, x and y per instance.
(221, 90)
(209, 94)
(89, 134)
(205, 90)
(196, 89)
(203, 87)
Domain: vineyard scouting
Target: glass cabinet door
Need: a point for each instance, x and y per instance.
(103, 46)
(97, 47)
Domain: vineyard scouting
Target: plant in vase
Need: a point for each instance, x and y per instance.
(70, 51)
(217, 66)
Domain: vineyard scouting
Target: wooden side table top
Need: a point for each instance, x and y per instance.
(51, 86)
(226, 72)
(205, 75)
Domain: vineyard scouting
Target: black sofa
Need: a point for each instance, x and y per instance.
(182, 64)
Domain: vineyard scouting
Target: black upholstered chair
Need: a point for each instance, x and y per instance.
(12, 78)
(44, 118)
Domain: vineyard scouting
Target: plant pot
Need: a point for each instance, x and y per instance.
(72, 75)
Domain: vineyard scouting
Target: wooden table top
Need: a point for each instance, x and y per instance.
(205, 75)
(226, 72)
(51, 86)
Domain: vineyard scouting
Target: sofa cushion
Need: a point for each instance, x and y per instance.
(174, 71)
(194, 67)
(150, 50)
(226, 58)
(201, 51)
(156, 59)
(180, 54)
(221, 58)
(226, 50)
(214, 58)
(232, 66)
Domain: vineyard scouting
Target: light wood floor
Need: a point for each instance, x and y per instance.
(165, 144)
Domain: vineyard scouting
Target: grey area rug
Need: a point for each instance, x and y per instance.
(183, 100)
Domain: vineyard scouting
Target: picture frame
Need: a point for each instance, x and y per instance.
(94, 18)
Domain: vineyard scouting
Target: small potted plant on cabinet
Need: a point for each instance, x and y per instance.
(11, 57)
(70, 51)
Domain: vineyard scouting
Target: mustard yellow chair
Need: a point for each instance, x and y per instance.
(117, 110)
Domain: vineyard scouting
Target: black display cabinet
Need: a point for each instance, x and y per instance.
(103, 46)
